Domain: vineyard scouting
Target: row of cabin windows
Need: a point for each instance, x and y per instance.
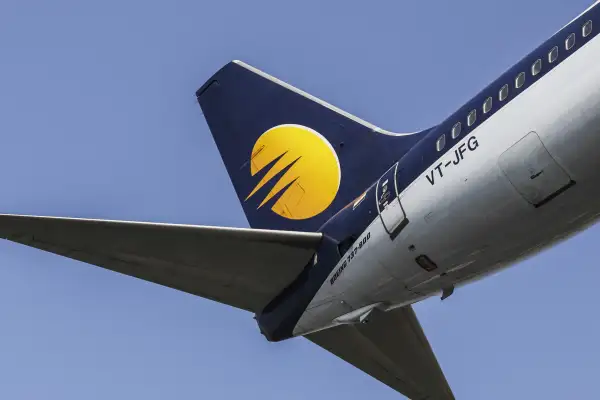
(536, 68)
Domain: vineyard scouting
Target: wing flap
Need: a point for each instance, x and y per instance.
(393, 349)
(244, 268)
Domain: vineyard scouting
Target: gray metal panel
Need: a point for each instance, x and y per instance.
(532, 170)
(244, 268)
(393, 349)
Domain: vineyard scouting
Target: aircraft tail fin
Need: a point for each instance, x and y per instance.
(293, 159)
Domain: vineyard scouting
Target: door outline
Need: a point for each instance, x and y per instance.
(394, 226)
(535, 171)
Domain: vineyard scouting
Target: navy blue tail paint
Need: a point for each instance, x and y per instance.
(240, 104)
(280, 316)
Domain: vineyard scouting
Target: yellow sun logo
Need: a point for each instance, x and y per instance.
(313, 174)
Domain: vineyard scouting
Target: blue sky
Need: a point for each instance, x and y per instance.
(98, 119)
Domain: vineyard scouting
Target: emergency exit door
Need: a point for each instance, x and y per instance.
(533, 172)
(388, 203)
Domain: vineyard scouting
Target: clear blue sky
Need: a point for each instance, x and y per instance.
(98, 119)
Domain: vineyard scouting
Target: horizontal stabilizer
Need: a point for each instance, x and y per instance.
(244, 268)
(393, 349)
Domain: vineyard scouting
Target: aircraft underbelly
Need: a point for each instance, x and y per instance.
(354, 281)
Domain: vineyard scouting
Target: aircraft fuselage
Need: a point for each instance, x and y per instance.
(520, 176)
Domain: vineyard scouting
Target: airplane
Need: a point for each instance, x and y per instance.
(351, 224)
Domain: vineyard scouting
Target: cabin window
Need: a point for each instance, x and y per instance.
(487, 106)
(520, 80)
(587, 29)
(472, 117)
(570, 42)
(456, 129)
(553, 55)
(503, 93)
(441, 143)
(536, 68)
